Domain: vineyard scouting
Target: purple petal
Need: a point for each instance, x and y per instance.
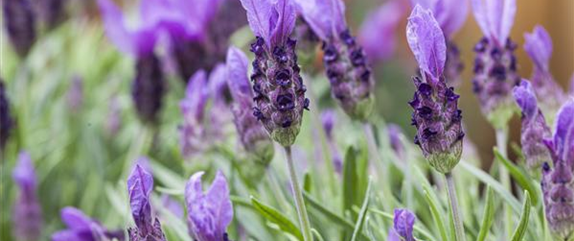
(427, 42)
(564, 133)
(450, 14)
(218, 83)
(172, 205)
(285, 22)
(196, 96)
(479, 11)
(393, 236)
(218, 195)
(380, 27)
(140, 185)
(23, 174)
(328, 119)
(75, 219)
(237, 65)
(326, 17)
(526, 99)
(258, 15)
(495, 17)
(403, 223)
(507, 19)
(538, 45)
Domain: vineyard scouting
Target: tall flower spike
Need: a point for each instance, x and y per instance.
(395, 135)
(538, 45)
(534, 127)
(6, 121)
(82, 228)
(557, 182)
(328, 118)
(451, 15)
(345, 62)
(495, 63)
(380, 27)
(403, 224)
(192, 131)
(436, 115)
(20, 23)
(147, 88)
(278, 87)
(252, 134)
(211, 212)
(140, 185)
(27, 216)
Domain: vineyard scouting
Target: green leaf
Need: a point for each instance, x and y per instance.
(307, 182)
(277, 218)
(524, 217)
(436, 214)
(487, 216)
(354, 179)
(521, 177)
(363, 213)
(317, 235)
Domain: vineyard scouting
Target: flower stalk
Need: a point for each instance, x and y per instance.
(453, 202)
(501, 144)
(298, 196)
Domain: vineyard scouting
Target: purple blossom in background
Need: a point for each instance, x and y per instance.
(6, 121)
(377, 33)
(328, 118)
(27, 213)
(538, 46)
(140, 185)
(534, 127)
(82, 228)
(451, 16)
(436, 115)
(219, 94)
(572, 85)
(75, 95)
(395, 135)
(278, 88)
(403, 224)
(495, 63)
(252, 134)
(172, 205)
(345, 62)
(20, 22)
(211, 212)
(52, 12)
(557, 182)
(113, 120)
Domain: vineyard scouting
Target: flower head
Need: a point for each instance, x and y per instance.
(6, 121)
(328, 118)
(395, 135)
(27, 216)
(19, 19)
(140, 185)
(211, 212)
(377, 33)
(278, 87)
(436, 115)
(495, 18)
(403, 224)
(193, 110)
(82, 228)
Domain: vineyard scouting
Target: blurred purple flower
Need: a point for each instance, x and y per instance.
(27, 213)
(252, 134)
(436, 115)
(403, 224)
(113, 119)
(278, 87)
(52, 12)
(538, 45)
(140, 185)
(345, 62)
(192, 131)
(211, 212)
(395, 135)
(6, 121)
(75, 95)
(328, 118)
(377, 33)
(20, 22)
(172, 205)
(572, 85)
(82, 228)
(557, 182)
(495, 63)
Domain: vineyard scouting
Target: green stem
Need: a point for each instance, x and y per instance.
(501, 144)
(379, 163)
(456, 216)
(299, 201)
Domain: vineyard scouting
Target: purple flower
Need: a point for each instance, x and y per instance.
(140, 185)
(27, 213)
(52, 12)
(380, 27)
(557, 182)
(19, 20)
(403, 224)
(6, 121)
(328, 118)
(193, 107)
(572, 85)
(495, 64)
(252, 134)
(538, 45)
(534, 127)
(395, 135)
(211, 212)
(113, 119)
(436, 115)
(278, 87)
(172, 205)
(82, 228)
(345, 62)
(75, 95)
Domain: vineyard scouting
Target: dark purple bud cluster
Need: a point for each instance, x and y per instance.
(19, 20)
(148, 88)
(191, 56)
(349, 74)
(279, 92)
(155, 234)
(438, 121)
(494, 77)
(558, 190)
(453, 66)
(6, 121)
(52, 12)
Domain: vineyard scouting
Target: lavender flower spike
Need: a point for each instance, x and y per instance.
(20, 22)
(436, 115)
(345, 62)
(140, 185)
(495, 63)
(403, 224)
(557, 182)
(328, 118)
(252, 134)
(278, 87)
(193, 132)
(380, 27)
(27, 216)
(538, 45)
(6, 121)
(395, 134)
(82, 228)
(211, 212)
(534, 127)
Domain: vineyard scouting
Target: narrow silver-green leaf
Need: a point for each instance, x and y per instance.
(487, 216)
(363, 213)
(436, 214)
(519, 175)
(524, 218)
(277, 218)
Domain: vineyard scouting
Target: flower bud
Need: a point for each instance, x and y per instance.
(6, 121)
(20, 23)
(27, 213)
(148, 88)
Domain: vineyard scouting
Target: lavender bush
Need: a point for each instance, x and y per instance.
(221, 120)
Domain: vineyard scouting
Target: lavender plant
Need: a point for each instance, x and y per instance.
(27, 213)
(19, 20)
(6, 121)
